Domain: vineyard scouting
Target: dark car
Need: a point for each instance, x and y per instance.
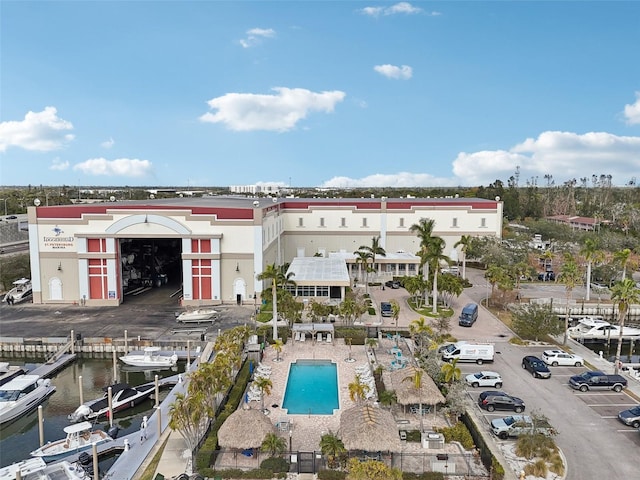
(386, 310)
(501, 401)
(392, 284)
(630, 417)
(11, 217)
(546, 276)
(536, 367)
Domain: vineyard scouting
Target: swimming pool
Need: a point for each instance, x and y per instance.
(312, 388)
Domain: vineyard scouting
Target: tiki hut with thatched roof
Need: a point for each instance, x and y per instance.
(244, 429)
(408, 394)
(368, 428)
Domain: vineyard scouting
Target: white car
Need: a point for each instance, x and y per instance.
(560, 357)
(484, 379)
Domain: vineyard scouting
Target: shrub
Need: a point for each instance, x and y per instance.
(498, 470)
(458, 433)
(537, 469)
(371, 311)
(423, 476)
(331, 475)
(275, 464)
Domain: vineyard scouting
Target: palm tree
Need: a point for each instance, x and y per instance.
(264, 384)
(435, 255)
(374, 249)
(372, 343)
(358, 390)
(591, 254)
(332, 447)
(189, 415)
(464, 242)
(273, 445)
(362, 258)
(272, 273)
(420, 330)
(416, 380)
(424, 231)
(277, 346)
(622, 257)
(451, 371)
(623, 293)
(493, 275)
(395, 313)
(571, 275)
(387, 397)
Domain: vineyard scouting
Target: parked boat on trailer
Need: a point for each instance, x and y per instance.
(198, 315)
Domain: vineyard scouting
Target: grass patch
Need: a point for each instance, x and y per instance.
(150, 471)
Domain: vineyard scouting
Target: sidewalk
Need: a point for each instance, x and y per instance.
(176, 458)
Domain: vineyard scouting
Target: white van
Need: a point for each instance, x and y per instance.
(469, 352)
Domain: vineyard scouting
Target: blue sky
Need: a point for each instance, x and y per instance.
(318, 93)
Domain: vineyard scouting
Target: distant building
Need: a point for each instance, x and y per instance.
(263, 189)
(587, 224)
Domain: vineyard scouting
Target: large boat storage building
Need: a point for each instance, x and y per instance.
(210, 249)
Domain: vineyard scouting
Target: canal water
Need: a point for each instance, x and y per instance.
(19, 438)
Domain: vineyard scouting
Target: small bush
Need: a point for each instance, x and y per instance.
(423, 476)
(556, 465)
(458, 433)
(498, 469)
(331, 475)
(537, 469)
(517, 341)
(275, 464)
(371, 311)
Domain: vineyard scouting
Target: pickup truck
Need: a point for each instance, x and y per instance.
(516, 425)
(593, 380)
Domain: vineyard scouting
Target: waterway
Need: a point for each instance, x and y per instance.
(21, 437)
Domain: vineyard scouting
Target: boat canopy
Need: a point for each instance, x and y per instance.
(77, 428)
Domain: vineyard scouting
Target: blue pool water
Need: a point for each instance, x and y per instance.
(312, 388)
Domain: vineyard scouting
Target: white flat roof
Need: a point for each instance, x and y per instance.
(319, 271)
(391, 257)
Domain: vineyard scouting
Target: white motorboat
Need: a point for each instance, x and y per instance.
(37, 469)
(22, 395)
(198, 315)
(80, 436)
(20, 292)
(150, 358)
(123, 396)
(595, 328)
(9, 372)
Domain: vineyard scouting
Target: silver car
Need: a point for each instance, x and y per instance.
(630, 417)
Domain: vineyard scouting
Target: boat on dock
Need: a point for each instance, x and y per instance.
(151, 357)
(23, 394)
(21, 291)
(198, 315)
(123, 397)
(595, 328)
(79, 437)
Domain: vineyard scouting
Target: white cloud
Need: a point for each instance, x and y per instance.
(395, 180)
(108, 143)
(399, 8)
(121, 167)
(59, 165)
(392, 71)
(564, 155)
(280, 112)
(256, 35)
(632, 111)
(39, 131)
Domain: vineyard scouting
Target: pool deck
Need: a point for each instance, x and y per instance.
(307, 429)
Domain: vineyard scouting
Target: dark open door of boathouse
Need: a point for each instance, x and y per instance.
(306, 462)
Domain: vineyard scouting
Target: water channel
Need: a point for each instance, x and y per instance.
(19, 438)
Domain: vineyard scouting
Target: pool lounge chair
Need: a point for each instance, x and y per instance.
(297, 336)
(319, 337)
(328, 338)
(303, 337)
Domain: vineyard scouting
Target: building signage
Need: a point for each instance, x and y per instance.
(58, 241)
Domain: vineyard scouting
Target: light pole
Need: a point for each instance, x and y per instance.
(290, 440)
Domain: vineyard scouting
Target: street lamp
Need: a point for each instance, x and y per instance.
(290, 440)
